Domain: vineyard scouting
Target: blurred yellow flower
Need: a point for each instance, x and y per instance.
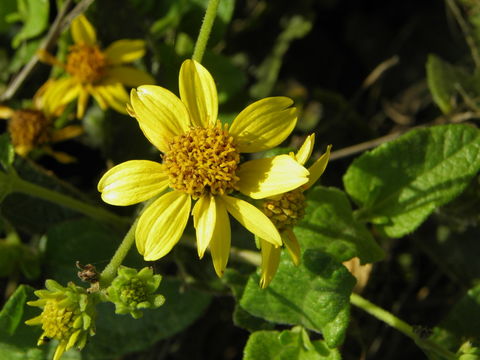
(33, 128)
(285, 210)
(201, 162)
(92, 71)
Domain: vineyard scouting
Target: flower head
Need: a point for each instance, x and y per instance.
(286, 210)
(132, 291)
(201, 164)
(68, 316)
(33, 127)
(89, 70)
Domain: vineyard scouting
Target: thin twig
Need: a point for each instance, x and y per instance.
(467, 31)
(60, 23)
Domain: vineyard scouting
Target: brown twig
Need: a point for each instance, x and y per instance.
(60, 23)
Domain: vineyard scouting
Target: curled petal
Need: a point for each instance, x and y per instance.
(82, 31)
(204, 219)
(160, 114)
(162, 224)
(220, 243)
(264, 124)
(262, 178)
(270, 262)
(252, 219)
(125, 51)
(199, 93)
(132, 182)
(318, 167)
(303, 154)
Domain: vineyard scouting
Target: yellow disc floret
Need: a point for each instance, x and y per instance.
(203, 161)
(86, 63)
(287, 210)
(28, 129)
(58, 321)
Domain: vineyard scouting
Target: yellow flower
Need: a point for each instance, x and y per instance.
(92, 71)
(33, 128)
(285, 210)
(201, 161)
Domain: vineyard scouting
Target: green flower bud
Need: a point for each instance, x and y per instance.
(131, 291)
(68, 316)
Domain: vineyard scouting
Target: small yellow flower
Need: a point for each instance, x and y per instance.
(33, 128)
(68, 316)
(92, 71)
(286, 210)
(201, 162)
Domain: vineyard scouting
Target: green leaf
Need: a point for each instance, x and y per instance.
(8, 6)
(34, 15)
(117, 335)
(329, 225)
(286, 345)
(400, 183)
(443, 80)
(7, 153)
(315, 294)
(12, 312)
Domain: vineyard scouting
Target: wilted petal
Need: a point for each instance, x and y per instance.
(162, 224)
(199, 93)
(292, 245)
(261, 178)
(318, 167)
(160, 114)
(132, 182)
(252, 219)
(303, 154)
(264, 124)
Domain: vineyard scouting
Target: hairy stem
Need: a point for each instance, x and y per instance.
(205, 30)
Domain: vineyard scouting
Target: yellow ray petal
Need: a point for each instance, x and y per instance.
(132, 182)
(68, 132)
(199, 93)
(292, 245)
(59, 93)
(115, 96)
(303, 154)
(60, 156)
(6, 112)
(82, 31)
(270, 262)
(318, 167)
(130, 76)
(252, 219)
(220, 243)
(264, 124)
(125, 51)
(82, 102)
(160, 114)
(261, 178)
(162, 224)
(204, 217)
(97, 96)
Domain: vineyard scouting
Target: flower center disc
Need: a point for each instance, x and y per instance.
(86, 63)
(202, 161)
(29, 128)
(57, 321)
(286, 211)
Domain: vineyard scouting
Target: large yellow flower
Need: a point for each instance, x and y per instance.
(201, 162)
(285, 210)
(92, 71)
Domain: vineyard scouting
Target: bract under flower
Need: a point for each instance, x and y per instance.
(201, 164)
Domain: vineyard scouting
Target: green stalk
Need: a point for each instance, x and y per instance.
(94, 212)
(110, 271)
(400, 325)
(205, 30)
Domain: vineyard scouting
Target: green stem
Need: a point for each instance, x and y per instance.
(95, 212)
(205, 30)
(400, 325)
(110, 271)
